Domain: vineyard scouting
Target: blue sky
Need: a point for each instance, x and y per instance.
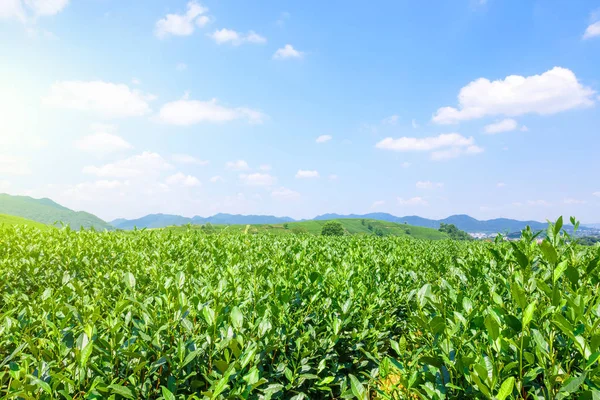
(488, 108)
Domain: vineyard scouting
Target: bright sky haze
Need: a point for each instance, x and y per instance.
(125, 108)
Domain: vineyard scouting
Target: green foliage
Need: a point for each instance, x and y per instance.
(454, 232)
(332, 228)
(12, 220)
(48, 212)
(185, 315)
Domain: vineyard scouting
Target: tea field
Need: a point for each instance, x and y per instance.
(162, 314)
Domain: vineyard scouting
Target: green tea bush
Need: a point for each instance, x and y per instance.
(186, 315)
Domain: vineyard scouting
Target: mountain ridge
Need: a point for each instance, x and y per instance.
(461, 221)
(49, 212)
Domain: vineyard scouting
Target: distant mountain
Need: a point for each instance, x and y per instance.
(462, 222)
(593, 226)
(49, 212)
(164, 220)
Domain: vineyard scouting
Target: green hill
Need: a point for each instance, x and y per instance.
(351, 226)
(12, 220)
(48, 212)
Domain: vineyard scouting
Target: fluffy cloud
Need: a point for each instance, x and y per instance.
(145, 164)
(553, 91)
(574, 201)
(506, 125)
(333, 177)
(377, 204)
(102, 143)
(180, 179)
(187, 159)
(181, 66)
(287, 52)
(391, 120)
(182, 24)
(215, 179)
(284, 193)
(324, 138)
(104, 98)
(221, 36)
(306, 174)
(444, 146)
(542, 203)
(189, 112)
(414, 124)
(4, 185)
(500, 184)
(593, 30)
(597, 194)
(429, 185)
(24, 10)
(413, 201)
(455, 152)
(12, 165)
(257, 179)
(239, 165)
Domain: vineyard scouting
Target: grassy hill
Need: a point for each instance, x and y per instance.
(12, 220)
(351, 226)
(48, 212)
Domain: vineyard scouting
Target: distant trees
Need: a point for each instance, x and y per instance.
(454, 232)
(332, 228)
(379, 232)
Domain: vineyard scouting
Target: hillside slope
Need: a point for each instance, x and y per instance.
(49, 212)
(12, 220)
(351, 226)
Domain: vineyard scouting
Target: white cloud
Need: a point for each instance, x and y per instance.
(215, 179)
(104, 98)
(136, 81)
(333, 177)
(144, 164)
(543, 203)
(265, 167)
(377, 204)
(429, 185)
(592, 30)
(284, 193)
(239, 165)
(284, 16)
(102, 143)
(574, 201)
(187, 159)
(553, 91)
(324, 138)
(287, 52)
(391, 120)
(500, 184)
(189, 112)
(180, 179)
(257, 179)
(182, 24)
(181, 66)
(413, 201)
(303, 174)
(524, 129)
(425, 144)
(455, 152)
(506, 125)
(30, 9)
(4, 186)
(221, 36)
(405, 164)
(448, 145)
(13, 165)
(414, 124)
